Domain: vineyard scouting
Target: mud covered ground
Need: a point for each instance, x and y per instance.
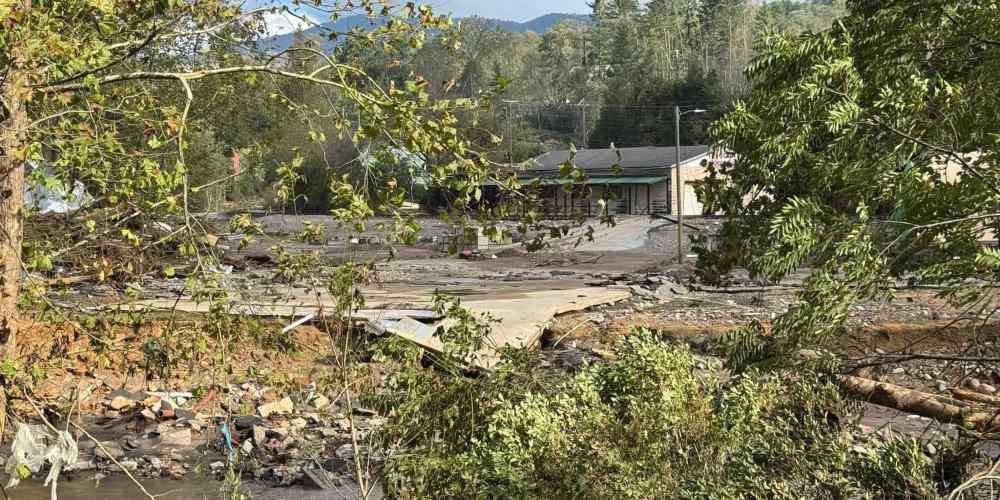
(280, 398)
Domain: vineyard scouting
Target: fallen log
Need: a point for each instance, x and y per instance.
(975, 397)
(918, 403)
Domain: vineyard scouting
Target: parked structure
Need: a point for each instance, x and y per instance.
(631, 180)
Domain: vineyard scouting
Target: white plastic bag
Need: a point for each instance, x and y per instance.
(33, 446)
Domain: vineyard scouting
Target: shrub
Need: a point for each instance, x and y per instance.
(644, 425)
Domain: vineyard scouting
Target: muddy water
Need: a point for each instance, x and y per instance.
(121, 488)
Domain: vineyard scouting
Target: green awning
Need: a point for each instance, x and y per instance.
(627, 180)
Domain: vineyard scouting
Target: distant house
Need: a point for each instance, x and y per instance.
(951, 171)
(633, 181)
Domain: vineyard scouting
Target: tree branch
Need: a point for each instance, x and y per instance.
(204, 31)
(949, 152)
(916, 227)
(197, 75)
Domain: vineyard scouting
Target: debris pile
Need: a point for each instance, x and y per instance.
(173, 434)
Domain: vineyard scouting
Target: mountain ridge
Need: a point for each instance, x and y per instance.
(540, 25)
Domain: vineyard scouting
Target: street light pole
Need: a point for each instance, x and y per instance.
(510, 136)
(680, 187)
(680, 182)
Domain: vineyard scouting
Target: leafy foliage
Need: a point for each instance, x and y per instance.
(643, 425)
(866, 153)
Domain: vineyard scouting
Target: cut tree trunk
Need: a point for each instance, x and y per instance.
(12, 141)
(919, 403)
(976, 397)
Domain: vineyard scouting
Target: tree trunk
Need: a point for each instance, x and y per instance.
(975, 397)
(13, 128)
(919, 403)
(12, 134)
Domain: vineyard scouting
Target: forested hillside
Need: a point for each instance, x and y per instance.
(612, 78)
(331, 267)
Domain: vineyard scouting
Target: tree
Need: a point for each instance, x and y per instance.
(103, 92)
(867, 152)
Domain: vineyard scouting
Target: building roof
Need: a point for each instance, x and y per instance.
(621, 179)
(645, 161)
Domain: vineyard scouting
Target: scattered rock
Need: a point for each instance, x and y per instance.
(121, 402)
(320, 402)
(282, 407)
(321, 479)
(246, 422)
(186, 415)
(131, 443)
(259, 435)
(134, 396)
(177, 437)
(81, 465)
(345, 452)
(113, 450)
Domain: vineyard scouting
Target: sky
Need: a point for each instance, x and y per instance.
(514, 10)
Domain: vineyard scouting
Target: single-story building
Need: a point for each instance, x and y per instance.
(634, 181)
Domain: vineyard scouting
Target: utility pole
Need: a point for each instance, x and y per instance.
(680, 182)
(510, 136)
(680, 186)
(583, 124)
